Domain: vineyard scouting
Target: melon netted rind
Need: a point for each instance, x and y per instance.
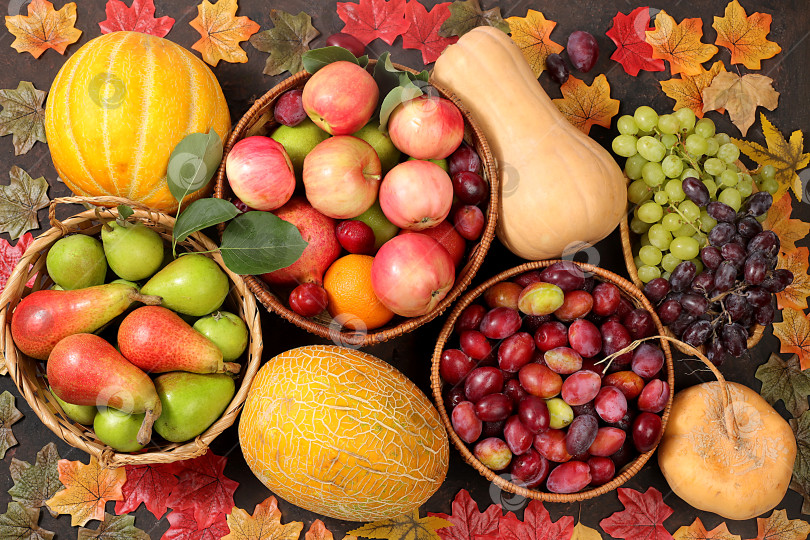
(341, 433)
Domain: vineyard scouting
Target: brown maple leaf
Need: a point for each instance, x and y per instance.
(318, 531)
(221, 32)
(585, 105)
(531, 33)
(406, 527)
(8, 416)
(44, 28)
(687, 91)
(778, 527)
(23, 116)
(697, 531)
(795, 295)
(794, 335)
(680, 44)
(740, 96)
(779, 221)
(744, 36)
(87, 490)
(264, 524)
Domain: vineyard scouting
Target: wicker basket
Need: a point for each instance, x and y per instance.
(754, 333)
(635, 296)
(259, 120)
(28, 374)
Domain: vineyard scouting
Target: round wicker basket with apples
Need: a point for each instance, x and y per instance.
(397, 219)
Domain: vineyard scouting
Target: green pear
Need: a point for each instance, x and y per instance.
(299, 141)
(134, 251)
(381, 143)
(118, 429)
(440, 162)
(77, 261)
(191, 284)
(82, 414)
(383, 229)
(228, 332)
(127, 282)
(191, 402)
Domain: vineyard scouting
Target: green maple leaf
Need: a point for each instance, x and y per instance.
(19, 202)
(8, 415)
(800, 483)
(35, 484)
(114, 528)
(785, 381)
(286, 42)
(23, 116)
(467, 14)
(21, 523)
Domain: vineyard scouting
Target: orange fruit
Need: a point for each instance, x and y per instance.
(351, 298)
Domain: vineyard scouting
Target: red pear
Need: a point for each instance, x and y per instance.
(157, 340)
(84, 369)
(44, 317)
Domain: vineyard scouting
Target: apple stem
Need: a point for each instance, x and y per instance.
(145, 432)
(231, 367)
(148, 299)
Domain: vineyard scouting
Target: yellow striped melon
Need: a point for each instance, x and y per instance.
(343, 434)
(119, 106)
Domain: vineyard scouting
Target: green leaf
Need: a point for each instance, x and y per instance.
(800, 483)
(114, 528)
(125, 211)
(8, 416)
(286, 42)
(317, 58)
(363, 61)
(785, 381)
(203, 213)
(423, 75)
(386, 76)
(21, 523)
(35, 484)
(23, 116)
(467, 14)
(259, 242)
(20, 201)
(396, 97)
(193, 163)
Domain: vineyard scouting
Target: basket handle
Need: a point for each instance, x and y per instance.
(100, 203)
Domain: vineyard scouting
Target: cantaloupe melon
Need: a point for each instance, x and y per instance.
(343, 434)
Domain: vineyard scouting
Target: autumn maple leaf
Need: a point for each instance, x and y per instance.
(697, 531)
(10, 256)
(643, 516)
(140, 17)
(23, 116)
(150, 484)
(44, 28)
(87, 490)
(406, 527)
(680, 43)
(745, 36)
(264, 523)
(785, 381)
(794, 335)
(286, 42)
(371, 19)
(423, 32)
(468, 522)
(795, 295)
(532, 34)
(183, 526)
(740, 96)
(585, 105)
(632, 50)
(536, 525)
(778, 527)
(203, 488)
(779, 221)
(687, 91)
(8, 416)
(221, 32)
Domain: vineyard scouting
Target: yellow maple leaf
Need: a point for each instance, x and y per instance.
(585, 105)
(318, 531)
(680, 44)
(794, 335)
(786, 156)
(581, 532)
(44, 28)
(87, 490)
(740, 96)
(221, 32)
(795, 295)
(531, 33)
(688, 90)
(697, 531)
(405, 527)
(778, 220)
(264, 524)
(745, 36)
(779, 527)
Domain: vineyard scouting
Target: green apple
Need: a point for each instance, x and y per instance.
(118, 429)
(299, 141)
(227, 331)
(82, 414)
(440, 162)
(191, 402)
(383, 229)
(381, 143)
(77, 261)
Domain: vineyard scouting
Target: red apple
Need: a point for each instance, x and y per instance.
(260, 173)
(322, 248)
(446, 235)
(341, 97)
(342, 176)
(412, 273)
(426, 127)
(416, 195)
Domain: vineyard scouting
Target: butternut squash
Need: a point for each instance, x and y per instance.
(558, 187)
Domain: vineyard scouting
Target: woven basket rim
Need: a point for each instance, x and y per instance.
(464, 275)
(30, 384)
(628, 290)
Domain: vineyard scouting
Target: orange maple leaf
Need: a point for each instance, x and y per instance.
(585, 105)
(779, 527)
(795, 295)
(679, 44)
(688, 90)
(794, 335)
(745, 36)
(264, 524)
(318, 531)
(697, 531)
(740, 96)
(44, 28)
(788, 230)
(87, 490)
(531, 33)
(221, 32)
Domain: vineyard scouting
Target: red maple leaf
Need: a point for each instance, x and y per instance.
(150, 485)
(203, 488)
(469, 523)
(10, 256)
(423, 33)
(183, 526)
(372, 19)
(632, 50)
(642, 518)
(138, 18)
(536, 525)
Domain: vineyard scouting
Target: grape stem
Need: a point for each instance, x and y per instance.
(695, 224)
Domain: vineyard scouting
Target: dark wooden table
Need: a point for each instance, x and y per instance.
(243, 83)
